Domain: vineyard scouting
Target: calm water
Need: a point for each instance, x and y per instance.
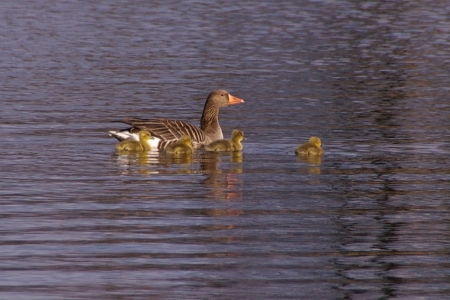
(369, 221)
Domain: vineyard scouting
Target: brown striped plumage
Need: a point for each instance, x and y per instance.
(169, 131)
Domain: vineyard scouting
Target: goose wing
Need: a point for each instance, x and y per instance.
(169, 131)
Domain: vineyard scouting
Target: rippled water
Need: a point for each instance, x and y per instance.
(369, 221)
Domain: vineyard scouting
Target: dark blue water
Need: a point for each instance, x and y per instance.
(369, 221)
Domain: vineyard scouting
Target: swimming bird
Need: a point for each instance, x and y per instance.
(182, 147)
(133, 145)
(227, 145)
(313, 147)
(167, 131)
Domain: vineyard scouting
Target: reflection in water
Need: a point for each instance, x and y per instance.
(175, 159)
(374, 252)
(373, 100)
(313, 161)
(226, 184)
(237, 157)
(136, 162)
(221, 169)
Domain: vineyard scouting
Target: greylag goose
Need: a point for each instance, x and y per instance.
(167, 131)
(133, 145)
(182, 146)
(226, 145)
(313, 147)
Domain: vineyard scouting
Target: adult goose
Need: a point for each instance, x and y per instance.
(166, 131)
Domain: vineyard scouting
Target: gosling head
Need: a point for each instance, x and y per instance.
(185, 140)
(237, 135)
(315, 141)
(144, 135)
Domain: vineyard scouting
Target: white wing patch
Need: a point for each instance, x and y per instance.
(154, 142)
(124, 135)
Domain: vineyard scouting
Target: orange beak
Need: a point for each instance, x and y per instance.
(234, 100)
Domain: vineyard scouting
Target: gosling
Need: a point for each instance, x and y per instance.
(182, 146)
(136, 146)
(226, 145)
(311, 148)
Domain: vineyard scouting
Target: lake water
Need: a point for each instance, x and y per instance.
(369, 221)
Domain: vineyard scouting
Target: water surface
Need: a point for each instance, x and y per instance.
(368, 221)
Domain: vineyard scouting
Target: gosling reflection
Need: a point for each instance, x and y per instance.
(136, 162)
(220, 171)
(314, 160)
(175, 159)
(313, 164)
(223, 175)
(237, 157)
(225, 183)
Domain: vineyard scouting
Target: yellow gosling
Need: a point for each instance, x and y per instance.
(313, 147)
(138, 146)
(182, 146)
(228, 145)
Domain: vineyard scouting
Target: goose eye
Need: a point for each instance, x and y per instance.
(222, 95)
